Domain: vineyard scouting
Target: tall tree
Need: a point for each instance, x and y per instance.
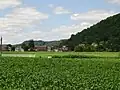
(31, 45)
(9, 47)
(25, 47)
(13, 48)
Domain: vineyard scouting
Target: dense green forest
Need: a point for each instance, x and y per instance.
(46, 43)
(104, 36)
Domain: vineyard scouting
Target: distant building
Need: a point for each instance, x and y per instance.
(94, 44)
(49, 49)
(19, 49)
(56, 50)
(5, 48)
(41, 48)
(64, 48)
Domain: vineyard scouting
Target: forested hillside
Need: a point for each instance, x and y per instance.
(46, 43)
(104, 36)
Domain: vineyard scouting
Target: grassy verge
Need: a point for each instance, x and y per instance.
(46, 54)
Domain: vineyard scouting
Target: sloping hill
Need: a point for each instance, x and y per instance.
(47, 43)
(106, 32)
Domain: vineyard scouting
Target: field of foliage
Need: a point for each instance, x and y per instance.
(46, 54)
(19, 73)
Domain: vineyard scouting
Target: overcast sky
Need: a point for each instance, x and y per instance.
(50, 19)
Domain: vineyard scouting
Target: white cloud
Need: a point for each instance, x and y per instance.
(66, 31)
(86, 19)
(51, 5)
(9, 3)
(18, 20)
(59, 9)
(21, 18)
(95, 15)
(62, 32)
(114, 1)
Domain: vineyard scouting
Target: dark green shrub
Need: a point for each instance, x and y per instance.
(73, 56)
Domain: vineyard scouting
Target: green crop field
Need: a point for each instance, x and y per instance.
(46, 54)
(19, 73)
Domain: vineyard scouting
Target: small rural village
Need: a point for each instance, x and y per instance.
(36, 48)
(59, 45)
(9, 48)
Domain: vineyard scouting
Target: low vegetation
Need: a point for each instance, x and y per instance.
(59, 74)
(74, 56)
(59, 54)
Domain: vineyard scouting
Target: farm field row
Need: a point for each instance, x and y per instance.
(46, 54)
(59, 74)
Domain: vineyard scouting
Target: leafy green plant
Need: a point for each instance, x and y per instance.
(59, 73)
(73, 56)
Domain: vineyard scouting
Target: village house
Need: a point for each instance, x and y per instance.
(4, 48)
(56, 50)
(64, 48)
(40, 48)
(49, 49)
(19, 49)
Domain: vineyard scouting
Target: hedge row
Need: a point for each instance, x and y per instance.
(73, 56)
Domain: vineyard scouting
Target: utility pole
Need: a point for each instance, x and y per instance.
(1, 46)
